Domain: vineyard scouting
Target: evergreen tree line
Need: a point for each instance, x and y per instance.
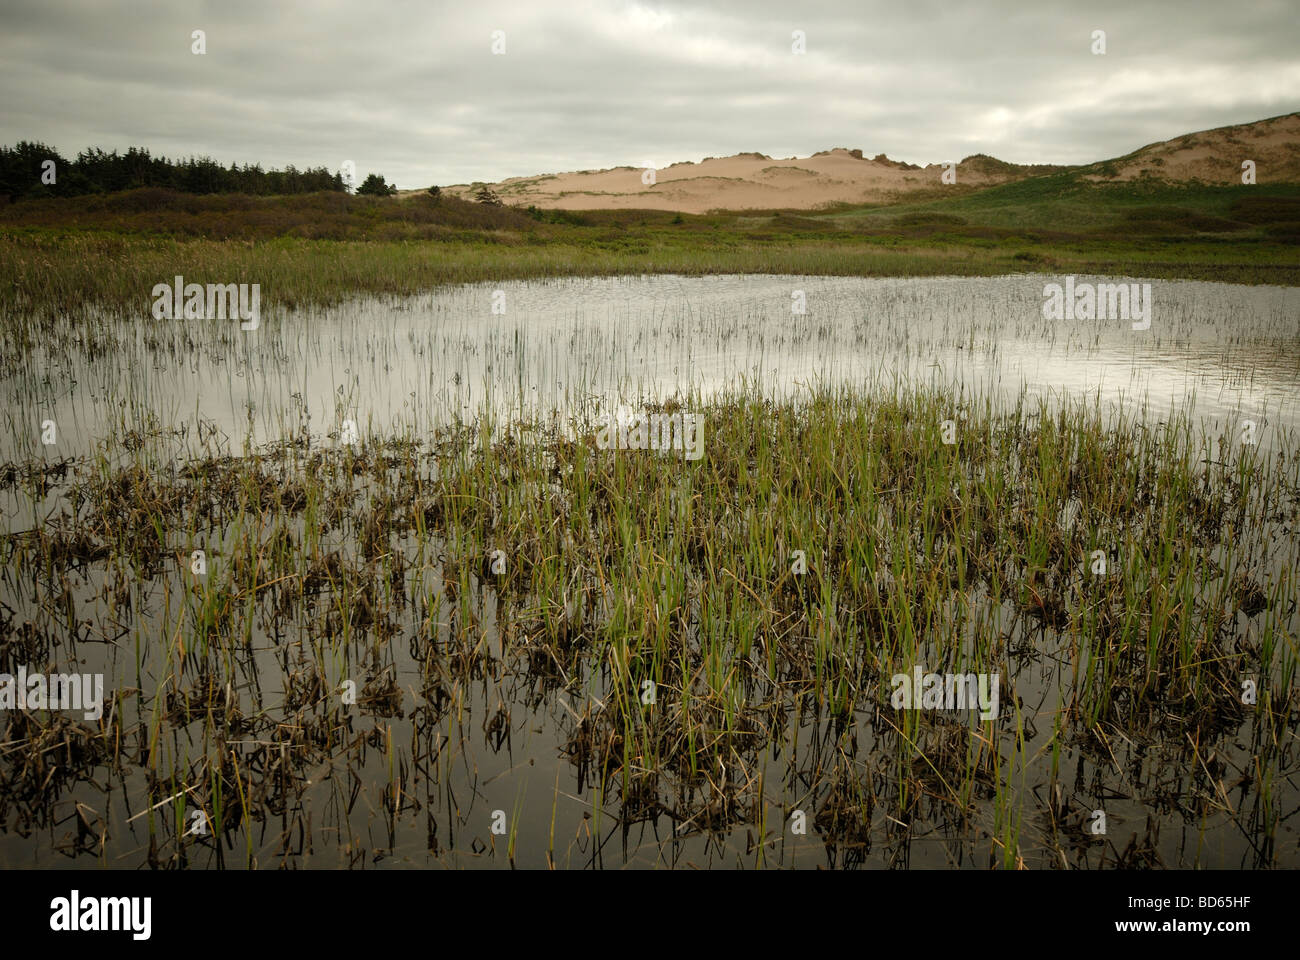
(23, 174)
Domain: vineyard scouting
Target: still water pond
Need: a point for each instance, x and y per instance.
(219, 692)
(570, 345)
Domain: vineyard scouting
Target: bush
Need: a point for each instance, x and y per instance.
(929, 218)
(374, 186)
(1266, 209)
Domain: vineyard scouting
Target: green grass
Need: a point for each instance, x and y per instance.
(628, 567)
(330, 563)
(107, 252)
(1064, 203)
(43, 275)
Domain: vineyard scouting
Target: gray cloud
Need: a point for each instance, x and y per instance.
(411, 89)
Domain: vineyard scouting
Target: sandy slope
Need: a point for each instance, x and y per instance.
(743, 182)
(1215, 156)
(751, 181)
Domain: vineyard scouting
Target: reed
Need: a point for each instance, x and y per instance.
(649, 614)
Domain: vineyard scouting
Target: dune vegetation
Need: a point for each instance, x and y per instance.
(63, 253)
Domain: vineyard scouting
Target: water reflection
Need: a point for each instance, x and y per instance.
(562, 344)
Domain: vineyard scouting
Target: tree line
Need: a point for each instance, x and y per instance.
(30, 170)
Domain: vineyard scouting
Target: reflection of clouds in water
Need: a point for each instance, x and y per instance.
(609, 345)
(1216, 383)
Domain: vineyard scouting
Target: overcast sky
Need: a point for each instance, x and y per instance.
(413, 90)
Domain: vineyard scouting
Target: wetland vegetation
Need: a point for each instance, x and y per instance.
(1124, 582)
(69, 254)
(366, 590)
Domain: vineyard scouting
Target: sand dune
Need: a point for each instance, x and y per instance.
(1215, 156)
(747, 181)
(752, 181)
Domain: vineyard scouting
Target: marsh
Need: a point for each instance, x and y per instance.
(437, 623)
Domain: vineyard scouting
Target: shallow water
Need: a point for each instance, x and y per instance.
(566, 345)
(1231, 353)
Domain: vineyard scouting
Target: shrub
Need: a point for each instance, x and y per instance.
(374, 186)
